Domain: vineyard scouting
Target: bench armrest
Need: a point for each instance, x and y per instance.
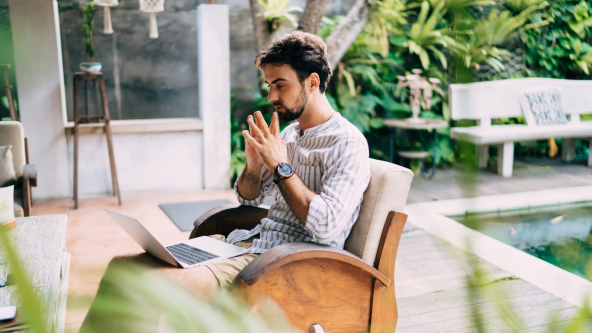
(284, 254)
(226, 218)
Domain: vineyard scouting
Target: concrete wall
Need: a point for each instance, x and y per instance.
(145, 162)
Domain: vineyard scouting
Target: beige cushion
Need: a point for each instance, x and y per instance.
(18, 211)
(7, 174)
(387, 191)
(13, 134)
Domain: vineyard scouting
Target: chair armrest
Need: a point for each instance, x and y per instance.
(281, 255)
(226, 218)
(30, 174)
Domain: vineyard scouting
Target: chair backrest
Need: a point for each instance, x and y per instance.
(12, 133)
(501, 99)
(387, 191)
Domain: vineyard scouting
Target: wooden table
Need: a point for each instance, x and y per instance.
(41, 242)
(426, 124)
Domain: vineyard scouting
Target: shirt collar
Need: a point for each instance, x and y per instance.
(318, 128)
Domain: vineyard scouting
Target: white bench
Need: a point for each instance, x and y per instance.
(485, 101)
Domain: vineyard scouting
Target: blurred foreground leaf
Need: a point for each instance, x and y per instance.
(131, 299)
(30, 302)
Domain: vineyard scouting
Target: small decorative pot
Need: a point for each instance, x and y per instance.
(91, 67)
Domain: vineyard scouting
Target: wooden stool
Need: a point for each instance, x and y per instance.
(97, 79)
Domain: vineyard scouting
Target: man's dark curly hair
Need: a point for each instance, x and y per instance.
(306, 53)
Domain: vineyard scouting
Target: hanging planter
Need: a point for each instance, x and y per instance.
(152, 7)
(106, 4)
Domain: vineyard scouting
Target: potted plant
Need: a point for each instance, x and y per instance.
(91, 67)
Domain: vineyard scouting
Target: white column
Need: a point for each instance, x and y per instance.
(213, 54)
(40, 84)
(505, 159)
(568, 150)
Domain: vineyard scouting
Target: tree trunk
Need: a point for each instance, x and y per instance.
(347, 31)
(262, 35)
(313, 13)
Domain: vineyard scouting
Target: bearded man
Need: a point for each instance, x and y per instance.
(317, 168)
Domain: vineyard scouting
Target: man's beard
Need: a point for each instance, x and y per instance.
(296, 111)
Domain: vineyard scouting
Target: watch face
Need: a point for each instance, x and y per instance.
(284, 169)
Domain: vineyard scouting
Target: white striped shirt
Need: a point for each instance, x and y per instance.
(332, 160)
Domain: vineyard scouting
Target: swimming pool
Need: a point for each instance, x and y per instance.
(558, 235)
(547, 240)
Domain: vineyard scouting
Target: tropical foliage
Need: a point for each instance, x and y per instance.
(562, 49)
(454, 41)
(451, 40)
(276, 12)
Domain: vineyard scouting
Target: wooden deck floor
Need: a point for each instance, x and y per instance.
(431, 284)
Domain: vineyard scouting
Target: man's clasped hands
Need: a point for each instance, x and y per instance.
(264, 145)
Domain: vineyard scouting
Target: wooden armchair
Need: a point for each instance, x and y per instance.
(12, 133)
(342, 290)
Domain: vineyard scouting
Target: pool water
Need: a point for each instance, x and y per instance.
(560, 236)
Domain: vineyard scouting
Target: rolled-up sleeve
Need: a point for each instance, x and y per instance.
(346, 177)
(266, 189)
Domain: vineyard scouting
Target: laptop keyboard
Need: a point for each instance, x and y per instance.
(189, 254)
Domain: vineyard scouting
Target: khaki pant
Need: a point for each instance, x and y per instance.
(226, 270)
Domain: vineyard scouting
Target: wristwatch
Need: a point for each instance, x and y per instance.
(283, 170)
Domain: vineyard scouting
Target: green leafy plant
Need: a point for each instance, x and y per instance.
(30, 300)
(485, 37)
(500, 27)
(386, 18)
(237, 156)
(4, 101)
(276, 12)
(424, 38)
(581, 19)
(88, 28)
(128, 294)
(582, 55)
(561, 49)
(458, 8)
(518, 6)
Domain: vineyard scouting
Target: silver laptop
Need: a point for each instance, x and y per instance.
(187, 254)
